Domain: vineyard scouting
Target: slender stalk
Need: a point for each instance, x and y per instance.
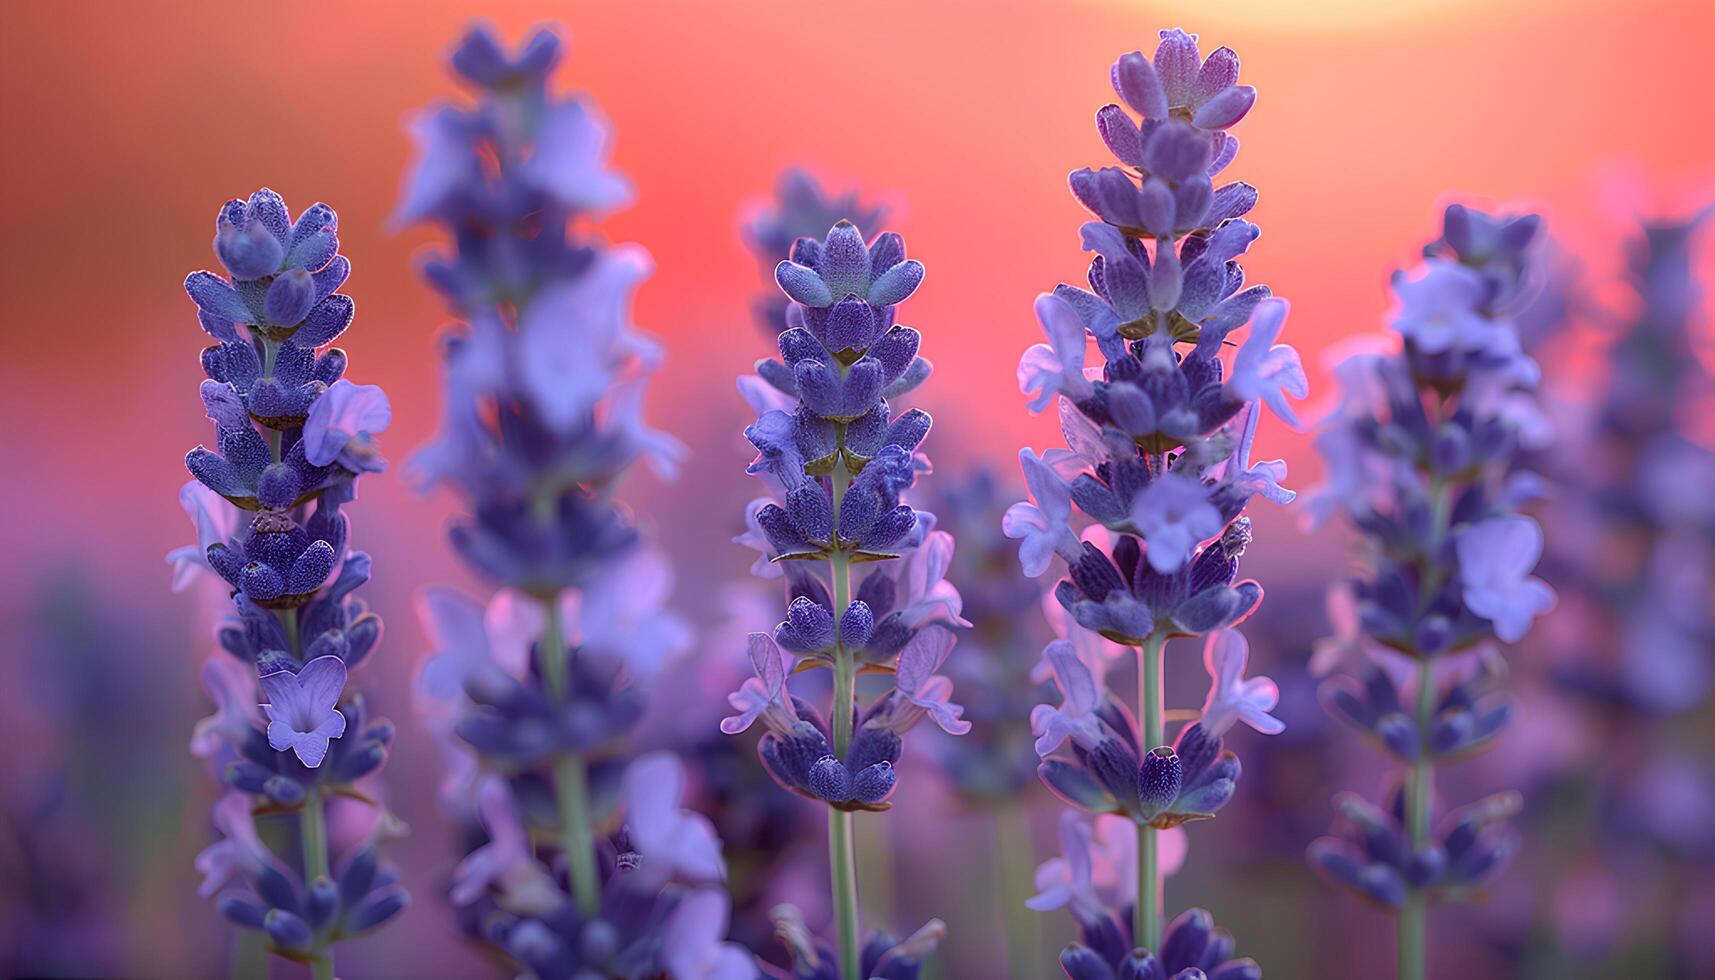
(1013, 858)
(1146, 913)
(842, 864)
(312, 829)
(845, 667)
(571, 779)
(572, 790)
(1419, 797)
(842, 851)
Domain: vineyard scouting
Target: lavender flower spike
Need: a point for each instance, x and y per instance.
(1422, 456)
(864, 570)
(542, 684)
(1158, 455)
(293, 437)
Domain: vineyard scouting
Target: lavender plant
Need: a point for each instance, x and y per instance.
(534, 691)
(1631, 647)
(1158, 455)
(293, 438)
(836, 461)
(1420, 456)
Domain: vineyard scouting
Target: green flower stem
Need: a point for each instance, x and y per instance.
(571, 778)
(842, 863)
(312, 829)
(1146, 912)
(842, 852)
(1419, 797)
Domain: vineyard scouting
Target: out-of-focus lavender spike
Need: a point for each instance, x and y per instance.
(534, 691)
(1423, 458)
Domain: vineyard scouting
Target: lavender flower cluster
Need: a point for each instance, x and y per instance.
(534, 692)
(1158, 447)
(836, 461)
(1420, 456)
(293, 436)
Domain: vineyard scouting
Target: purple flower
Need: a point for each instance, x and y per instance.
(1495, 560)
(1044, 525)
(1232, 698)
(232, 687)
(1056, 368)
(576, 337)
(239, 854)
(300, 708)
(1268, 371)
(340, 426)
(1080, 697)
(925, 691)
(691, 940)
(675, 843)
(1174, 80)
(1260, 479)
(570, 162)
(505, 866)
(1438, 309)
(925, 595)
(1346, 647)
(1174, 515)
(1096, 872)
(622, 614)
(217, 522)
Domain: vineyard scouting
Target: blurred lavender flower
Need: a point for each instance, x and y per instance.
(1421, 455)
(1158, 456)
(544, 385)
(882, 956)
(801, 208)
(836, 464)
(1632, 652)
(291, 432)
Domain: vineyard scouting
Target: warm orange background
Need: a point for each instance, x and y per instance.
(126, 125)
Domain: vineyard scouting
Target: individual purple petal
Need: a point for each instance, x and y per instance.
(897, 283)
(570, 162)
(344, 414)
(1226, 108)
(675, 843)
(215, 296)
(1495, 560)
(1176, 62)
(803, 284)
(1136, 81)
(1268, 371)
(1232, 698)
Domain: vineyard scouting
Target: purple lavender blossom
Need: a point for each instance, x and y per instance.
(1421, 456)
(300, 708)
(1158, 457)
(800, 209)
(541, 685)
(836, 461)
(293, 438)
